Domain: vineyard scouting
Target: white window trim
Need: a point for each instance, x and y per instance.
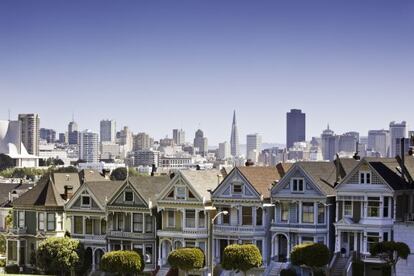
(86, 205)
(288, 212)
(38, 221)
(352, 209)
(365, 177)
(176, 193)
(238, 184)
(133, 196)
(21, 219)
(303, 185)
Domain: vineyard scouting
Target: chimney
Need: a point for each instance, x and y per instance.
(249, 163)
(219, 178)
(68, 192)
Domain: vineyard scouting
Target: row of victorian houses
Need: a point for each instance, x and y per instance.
(347, 205)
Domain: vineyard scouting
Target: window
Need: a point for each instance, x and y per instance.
(306, 239)
(297, 185)
(96, 226)
(148, 223)
(259, 244)
(385, 236)
(226, 218)
(51, 221)
(148, 254)
(246, 215)
(12, 250)
(237, 188)
(365, 177)
(137, 222)
(284, 211)
(21, 219)
(190, 243)
(202, 246)
(86, 201)
(78, 225)
(386, 203)
(128, 196)
(190, 218)
(347, 208)
(88, 226)
(307, 212)
(180, 192)
(259, 216)
(120, 218)
(103, 227)
(372, 237)
(171, 219)
(41, 224)
(201, 219)
(321, 213)
(373, 206)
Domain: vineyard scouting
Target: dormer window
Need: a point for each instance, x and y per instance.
(297, 185)
(180, 193)
(365, 177)
(128, 196)
(86, 201)
(237, 188)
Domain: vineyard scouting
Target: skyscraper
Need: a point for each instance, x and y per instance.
(30, 135)
(48, 134)
(253, 146)
(329, 144)
(201, 142)
(295, 127)
(73, 133)
(125, 138)
(348, 141)
(224, 150)
(234, 138)
(142, 141)
(88, 146)
(179, 136)
(379, 141)
(397, 131)
(108, 130)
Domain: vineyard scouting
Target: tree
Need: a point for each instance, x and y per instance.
(119, 174)
(241, 257)
(122, 262)
(70, 169)
(313, 255)
(6, 162)
(58, 255)
(390, 252)
(186, 259)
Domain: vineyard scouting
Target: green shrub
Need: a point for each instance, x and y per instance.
(2, 262)
(313, 255)
(358, 268)
(12, 269)
(319, 272)
(287, 272)
(122, 262)
(241, 257)
(186, 258)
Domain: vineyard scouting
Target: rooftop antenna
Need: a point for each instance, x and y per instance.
(9, 113)
(73, 116)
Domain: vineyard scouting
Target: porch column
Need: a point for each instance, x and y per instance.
(356, 241)
(143, 223)
(159, 254)
(18, 251)
(196, 219)
(315, 213)
(338, 241)
(300, 212)
(132, 222)
(254, 218)
(93, 259)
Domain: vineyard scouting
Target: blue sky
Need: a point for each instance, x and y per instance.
(158, 65)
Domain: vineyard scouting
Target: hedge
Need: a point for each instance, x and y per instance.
(310, 254)
(287, 272)
(241, 257)
(186, 258)
(122, 261)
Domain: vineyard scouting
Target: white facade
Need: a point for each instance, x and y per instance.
(108, 130)
(379, 141)
(179, 136)
(88, 146)
(224, 151)
(110, 150)
(30, 134)
(397, 131)
(253, 146)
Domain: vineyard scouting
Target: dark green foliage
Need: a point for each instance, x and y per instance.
(319, 272)
(6, 162)
(186, 258)
(2, 244)
(119, 174)
(122, 262)
(70, 169)
(287, 272)
(2, 262)
(386, 249)
(58, 255)
(313, 255)
(241, 257)
(358, 268)
(12, 269)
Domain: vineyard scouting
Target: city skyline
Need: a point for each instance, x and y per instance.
(327, 59)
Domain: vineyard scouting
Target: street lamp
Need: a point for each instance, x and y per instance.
(210, 247)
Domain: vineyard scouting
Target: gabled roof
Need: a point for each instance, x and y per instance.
(322, 174)
(66, 179)
(263, 178)
(89, 175)
(346, 165)
(103, 190)
(202, 181)
(12, 188)
(409, 164)
(149, 186)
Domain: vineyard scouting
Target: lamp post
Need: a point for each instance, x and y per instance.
(210, 247)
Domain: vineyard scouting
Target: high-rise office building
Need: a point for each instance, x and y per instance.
(329, 144)
(224, 151)
(253, 146)
(48, 134)
(397, 131)
(379, 141)
(295, 127)
(201, 142)
(73, 133)
(30, 134)
(63, 138)
(348, 142)
(88, 146)
(126, 138)
(234, 138)
(108, 130)
(179, 136)
(142, 141)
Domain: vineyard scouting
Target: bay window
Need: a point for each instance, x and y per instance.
(307, 212)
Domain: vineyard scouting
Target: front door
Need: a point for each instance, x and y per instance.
(282, 248)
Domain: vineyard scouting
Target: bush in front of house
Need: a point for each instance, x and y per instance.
(241, 257)
(122, 262)
(186, 258)
(12, 269)
(313, 255)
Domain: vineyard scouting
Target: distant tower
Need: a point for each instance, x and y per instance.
(108, 130)
(234, 139)
(397, 131)
(30, 133)
(295, 127)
